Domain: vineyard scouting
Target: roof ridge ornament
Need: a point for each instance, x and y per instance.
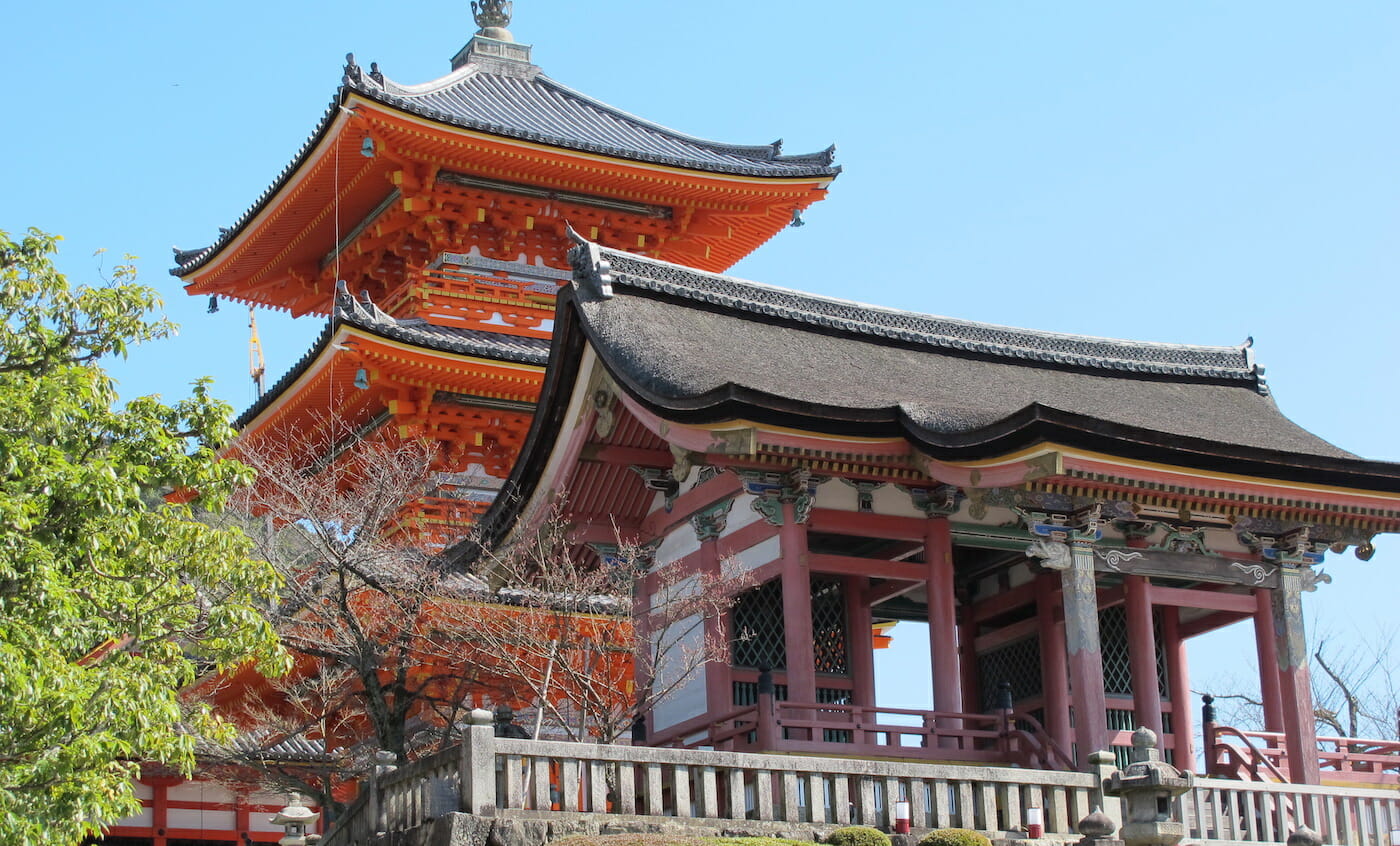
(493, 16)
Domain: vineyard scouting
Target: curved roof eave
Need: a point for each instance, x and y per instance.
(190, 261)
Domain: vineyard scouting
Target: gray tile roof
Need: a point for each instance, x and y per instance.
(416, 331)
(514, 99)
(707, 346)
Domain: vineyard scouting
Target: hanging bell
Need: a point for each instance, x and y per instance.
(213, 304)
(362, 379)
(367, 147)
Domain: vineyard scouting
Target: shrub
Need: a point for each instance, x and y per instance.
(858, 835)
(955, 837)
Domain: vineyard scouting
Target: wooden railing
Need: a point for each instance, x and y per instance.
(1261, 812)
(1003, 737)
(449, 296)
(1262, 756)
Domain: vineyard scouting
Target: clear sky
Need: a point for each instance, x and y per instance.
(1192, 172)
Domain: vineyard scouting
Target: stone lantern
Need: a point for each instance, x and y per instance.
(1148, 787)
(295, 819)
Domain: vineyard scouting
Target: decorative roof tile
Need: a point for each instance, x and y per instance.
(600, 265)
(365, 315)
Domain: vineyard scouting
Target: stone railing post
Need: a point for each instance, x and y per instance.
(376, 811)
(477, 769)
(1102, 765)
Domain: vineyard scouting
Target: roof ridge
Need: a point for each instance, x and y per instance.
(605, 268)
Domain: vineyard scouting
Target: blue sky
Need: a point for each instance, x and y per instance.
(1193, 172)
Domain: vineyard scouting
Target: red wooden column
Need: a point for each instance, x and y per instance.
(1267, 650)
(942, 616)
(1179, 686)
(861, 639)
(719, 691)
(1299, 728)
(1142, 652)
(1053, 661)
(797, 608)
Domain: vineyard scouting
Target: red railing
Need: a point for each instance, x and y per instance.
(452, 297)
(1003, 737)
(1263, 756)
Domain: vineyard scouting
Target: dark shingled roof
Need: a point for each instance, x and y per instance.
(514, 99)
(416, 331)
(702, 347)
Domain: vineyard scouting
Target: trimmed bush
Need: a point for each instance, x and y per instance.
(955, 837)
(858, 835)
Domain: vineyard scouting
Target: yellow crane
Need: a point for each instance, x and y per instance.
(257, 367)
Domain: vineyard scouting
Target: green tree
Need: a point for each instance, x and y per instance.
(111, 598)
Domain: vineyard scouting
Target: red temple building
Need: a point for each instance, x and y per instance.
(1065, 512)
(428, 222)
(530, 280)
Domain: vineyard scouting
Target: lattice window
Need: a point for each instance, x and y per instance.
(1017, 663)
(746, 693)
(758, 626)
(1117, 667)
(758, 622)
(829, 627)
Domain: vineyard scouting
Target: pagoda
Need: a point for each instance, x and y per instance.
(428, 224)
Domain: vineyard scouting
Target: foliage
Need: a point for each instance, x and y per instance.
(638, 839)
(608, 637)
(111, 598)
(361, 601)
(858, 835)
(955, 837)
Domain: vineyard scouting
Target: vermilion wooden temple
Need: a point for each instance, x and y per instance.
(1065, 512)
(428, 222)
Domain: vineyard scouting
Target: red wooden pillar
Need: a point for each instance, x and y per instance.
(861, 639)
(942, 616)
(1053, 661)
(719, 691)
(797, 608)
(1081, 603)
(1267, 651)
(1179, 685)
(1299, 726)
(967, 655)
(1142, 652)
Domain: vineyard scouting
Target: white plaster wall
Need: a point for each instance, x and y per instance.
(892, 501)
(688, 699)
(679, 591)
(741, 514)
(200, 791)
(678, 543)
(200, 819)
(835, 493)
(759, 554)
(1020, 574)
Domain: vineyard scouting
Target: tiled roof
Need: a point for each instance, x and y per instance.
(703, 347)
(1233, 363)
(514, 99)
(420, 333)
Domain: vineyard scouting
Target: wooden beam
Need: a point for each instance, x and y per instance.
(850, 565)
(885, 591)
(626, 456)
(838, 522)
(1003, 602)
(701, 496)
(1206, 600)
(1211, 622)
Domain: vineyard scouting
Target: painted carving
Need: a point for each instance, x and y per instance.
(939, 501)
(772, 490)
(865, 494)
(1184, 539)
(684, 460)
(1288, 620)
(606, 418)
(1309, 579)
(659, 480)
(1053, 555)
(1255, 572)
(1114, 559)
(709, 523)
